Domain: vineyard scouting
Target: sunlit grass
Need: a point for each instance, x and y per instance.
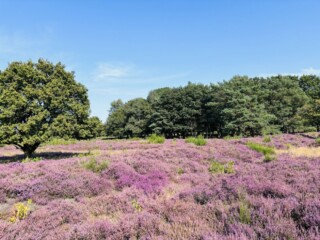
(301, 151)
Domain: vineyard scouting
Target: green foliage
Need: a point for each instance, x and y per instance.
(244, 213)
(242, 106)
(270, 157)
(232, 137)
(199, 141)
(220, 168)
(34, 159)
(95, 166)
(39, 101)
(180, 170)
(229, 167)
(318, 141)
(21, 211)
(136, 205)
(268, 152)
(92, 128)
(130, 119)
(266, 139)
(261, 148)
(60, 141)
(153, 138)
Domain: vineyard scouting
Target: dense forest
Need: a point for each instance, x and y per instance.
(242, 106)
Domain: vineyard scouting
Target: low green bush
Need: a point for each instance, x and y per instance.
(220, 168)
(318, 141)
(95, 166)
(270, 157)
(266, 139)
(136, 205)
(199, 141)
(180, 170)
(268, 152)
(244, 213)
(261, 148)
(153, 138)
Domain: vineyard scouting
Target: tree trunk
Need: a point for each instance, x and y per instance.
(29, 149)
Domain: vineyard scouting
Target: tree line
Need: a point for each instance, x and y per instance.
(242, 106)
(41, 100)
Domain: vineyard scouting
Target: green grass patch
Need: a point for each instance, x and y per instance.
(266, 139)
(220, 168)
(153, 138)
(270, 157)
(244, 213)
(35, 159)
(199, 141)
(268, 152)
(95, 166)
(232, 137)
(60, 141)
(261, 148)
(318, 141)
(180, 170)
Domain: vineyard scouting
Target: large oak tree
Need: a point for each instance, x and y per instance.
(38, 101)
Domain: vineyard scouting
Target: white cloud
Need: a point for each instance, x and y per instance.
(310, 71)
(305, 71)
(107, 71)
(127, 73)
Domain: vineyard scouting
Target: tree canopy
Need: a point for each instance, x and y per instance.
(241, 106)
(39, 101)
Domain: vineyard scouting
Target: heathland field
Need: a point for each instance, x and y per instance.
(249, 188)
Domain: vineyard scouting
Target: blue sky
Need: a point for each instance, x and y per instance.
(123, 49)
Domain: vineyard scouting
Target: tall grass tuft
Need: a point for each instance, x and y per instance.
(268, 152)
(199, 140)
(153, 138)
(95, 166)
(220, 168)
(60, 141)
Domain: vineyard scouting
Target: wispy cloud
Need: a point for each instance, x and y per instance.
(305, 71)
(127, 73)
(108, 71)
(310, 71)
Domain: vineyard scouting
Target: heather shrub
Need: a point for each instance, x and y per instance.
(219, 168)
(96, 166)
(153, 138)
(307, 215)
(199, 140)
(21, 211)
